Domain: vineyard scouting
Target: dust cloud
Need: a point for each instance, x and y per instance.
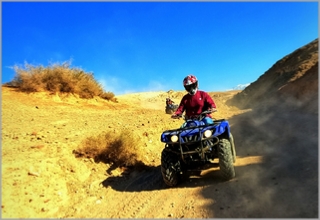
(285, 184)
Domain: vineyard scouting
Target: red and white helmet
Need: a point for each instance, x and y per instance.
(190, 83)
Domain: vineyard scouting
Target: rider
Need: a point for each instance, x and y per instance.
(195, 101)
(169, 102)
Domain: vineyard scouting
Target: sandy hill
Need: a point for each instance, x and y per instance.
(276, 167)
(293, 81)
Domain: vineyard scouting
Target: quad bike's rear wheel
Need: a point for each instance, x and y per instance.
(170, 168)
(226, 159)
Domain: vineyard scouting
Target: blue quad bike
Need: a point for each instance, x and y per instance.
(195, 147)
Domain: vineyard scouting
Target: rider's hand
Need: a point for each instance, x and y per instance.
(212, 110)
(175, 116)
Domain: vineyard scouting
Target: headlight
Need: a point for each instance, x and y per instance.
(207, 133)
(174, 138)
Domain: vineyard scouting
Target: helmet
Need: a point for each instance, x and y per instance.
(190, 83)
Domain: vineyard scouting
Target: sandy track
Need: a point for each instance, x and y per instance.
(276, 168)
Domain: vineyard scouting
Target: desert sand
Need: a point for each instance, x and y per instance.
(276, 167)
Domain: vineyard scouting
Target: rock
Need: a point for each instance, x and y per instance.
(32, 173)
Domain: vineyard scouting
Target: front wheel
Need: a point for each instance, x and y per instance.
(226, 159)
(170, 168)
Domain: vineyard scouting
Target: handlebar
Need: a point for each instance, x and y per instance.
(176, 116)
(200, 116)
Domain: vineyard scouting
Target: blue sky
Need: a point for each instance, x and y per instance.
(151, 46)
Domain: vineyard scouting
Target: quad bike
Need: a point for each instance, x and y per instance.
(195, 146)
(170, 109)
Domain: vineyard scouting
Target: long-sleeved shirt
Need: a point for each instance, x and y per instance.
(195, 104)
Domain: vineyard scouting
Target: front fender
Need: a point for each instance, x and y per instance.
(219, 127)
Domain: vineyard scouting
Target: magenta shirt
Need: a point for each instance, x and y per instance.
(195, 104)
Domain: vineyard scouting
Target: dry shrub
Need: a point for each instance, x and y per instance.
(58, 78)
(28, 79)
(118, 149)
(108, 96)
